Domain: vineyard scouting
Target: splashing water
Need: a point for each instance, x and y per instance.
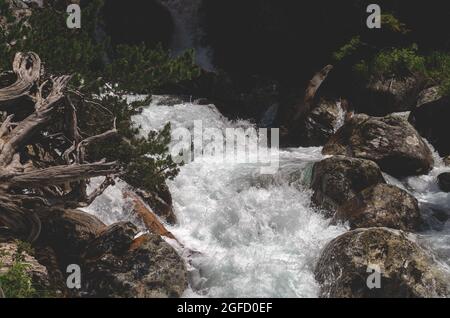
(256, 235)
(435, 208)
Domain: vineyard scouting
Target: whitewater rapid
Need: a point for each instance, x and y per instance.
(256, 235)
(435, 208)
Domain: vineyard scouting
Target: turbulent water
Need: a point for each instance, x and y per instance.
(256, 235)
(435, 209)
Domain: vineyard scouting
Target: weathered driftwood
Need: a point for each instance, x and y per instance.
(150, 220)
(27, 67)
(303, 108)
(30, 178)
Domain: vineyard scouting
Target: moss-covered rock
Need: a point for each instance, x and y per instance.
(381, 205)
(337, 179)
(389, 141)
(406, 269)
(146, 267)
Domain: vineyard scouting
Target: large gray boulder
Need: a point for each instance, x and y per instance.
(337, 179)
(381, 205)
(118, 265)
(406, 270)
(389, 141)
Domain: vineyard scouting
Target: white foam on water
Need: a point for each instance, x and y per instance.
(256, 235)
(435, 208)
(112, 206)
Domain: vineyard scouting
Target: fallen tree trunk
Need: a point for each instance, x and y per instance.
(148, 217)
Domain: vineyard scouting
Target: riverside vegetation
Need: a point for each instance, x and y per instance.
(69, 88)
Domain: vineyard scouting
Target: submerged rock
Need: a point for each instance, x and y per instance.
(444, 181)
(432, 122)
(337, 179)
(347, 266)
(382, 205)
(146, 267)
(389, 141)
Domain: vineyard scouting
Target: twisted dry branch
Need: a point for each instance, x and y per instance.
(31, 177)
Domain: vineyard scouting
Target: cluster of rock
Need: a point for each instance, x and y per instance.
(114, 260)
(349, 187)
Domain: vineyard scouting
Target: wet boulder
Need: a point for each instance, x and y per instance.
(337, 179)
(120, 265)
(432, 121)
(389, 141)
(321, 123)
(444, 181)
(378, 262)
(382, 205)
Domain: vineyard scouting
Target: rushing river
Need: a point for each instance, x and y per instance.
(256, 235)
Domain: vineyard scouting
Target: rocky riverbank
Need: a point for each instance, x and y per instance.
(351, 188)
(349, 232)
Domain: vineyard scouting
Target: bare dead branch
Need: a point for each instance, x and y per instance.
(4, 128)
(71, 121)
(30, 125)
(59, 174)
(89, 101)
(27, 67)
(32, 178)
(97, 192)
(82, 146)
(20, 221)
(304, 107)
